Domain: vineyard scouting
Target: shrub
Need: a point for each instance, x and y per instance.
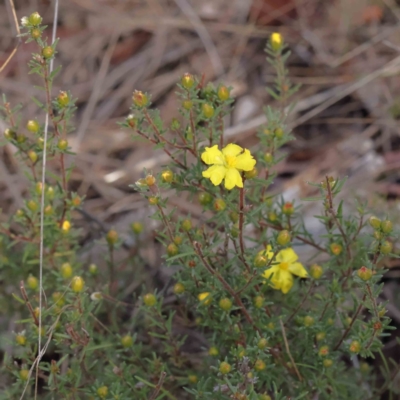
(267, 323)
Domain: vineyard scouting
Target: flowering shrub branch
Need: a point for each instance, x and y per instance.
(248, 316)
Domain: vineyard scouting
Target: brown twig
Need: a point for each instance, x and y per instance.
(337, 222)
(241, 222)
(224, 283)
(159, 386)
(301, 303)
(28, 303)
(346, 332)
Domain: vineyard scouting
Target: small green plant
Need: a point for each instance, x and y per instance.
(268, 324)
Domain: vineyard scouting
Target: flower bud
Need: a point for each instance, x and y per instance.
(271, 325)
(50, 193)
(205, 198)
(386, 226)
(208, 110)
(269, 158)
(316, 271)
(327, 363)
(66, 270)
(262, 343)
(167, 176)
(47, 52)
(93, 269)
(251, 174)
(223, 93)
(38, 188)
(259, 365)
(102, 392)
(323, 351)
(225, 368)
(288, 208)
(21, 138)
(66, 226)
(187, 104)
(140, 99)
(32, 205)
(355, 346)
(283, 237)
(258, 301)
(186, 225)
(20, 339)
(320, 336)
(149, 299)
(137, 227)
(112, 237)
(205, 298)
(150, 180)
(32, 156)
(187, 81)
(308, 321)
(272, 216)
(260, 260)
(175, 124)
(375, 222)
(179, 288)
(62, 144)
(278, 133)
(24, 374)
(276, 41)
(219, 205)
(213, 351)
(225, 304)
(63, 99)
(386, 247)
(36, 33)
(153, 200)
(378, 235)
(336, 248)
(193, 379)
(127, 341)
(364, 273)
(192, 264)
(35, 19)
(77, 284)
(172, 250)
(9, 134)
(32, 282)
(234, 216)
(32, 126)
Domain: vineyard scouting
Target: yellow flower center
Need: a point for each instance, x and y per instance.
(230, 161)
(284, 266)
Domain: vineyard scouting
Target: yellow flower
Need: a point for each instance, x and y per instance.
(226, 164)
(281, 274)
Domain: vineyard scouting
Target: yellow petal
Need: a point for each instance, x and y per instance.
(288, 255)
(216, 174)
(212, 155)
(245, 161)
(233, 179)
(269, 253)
(231, 150)
(273, 274)
(286, 281)
(298, 269)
